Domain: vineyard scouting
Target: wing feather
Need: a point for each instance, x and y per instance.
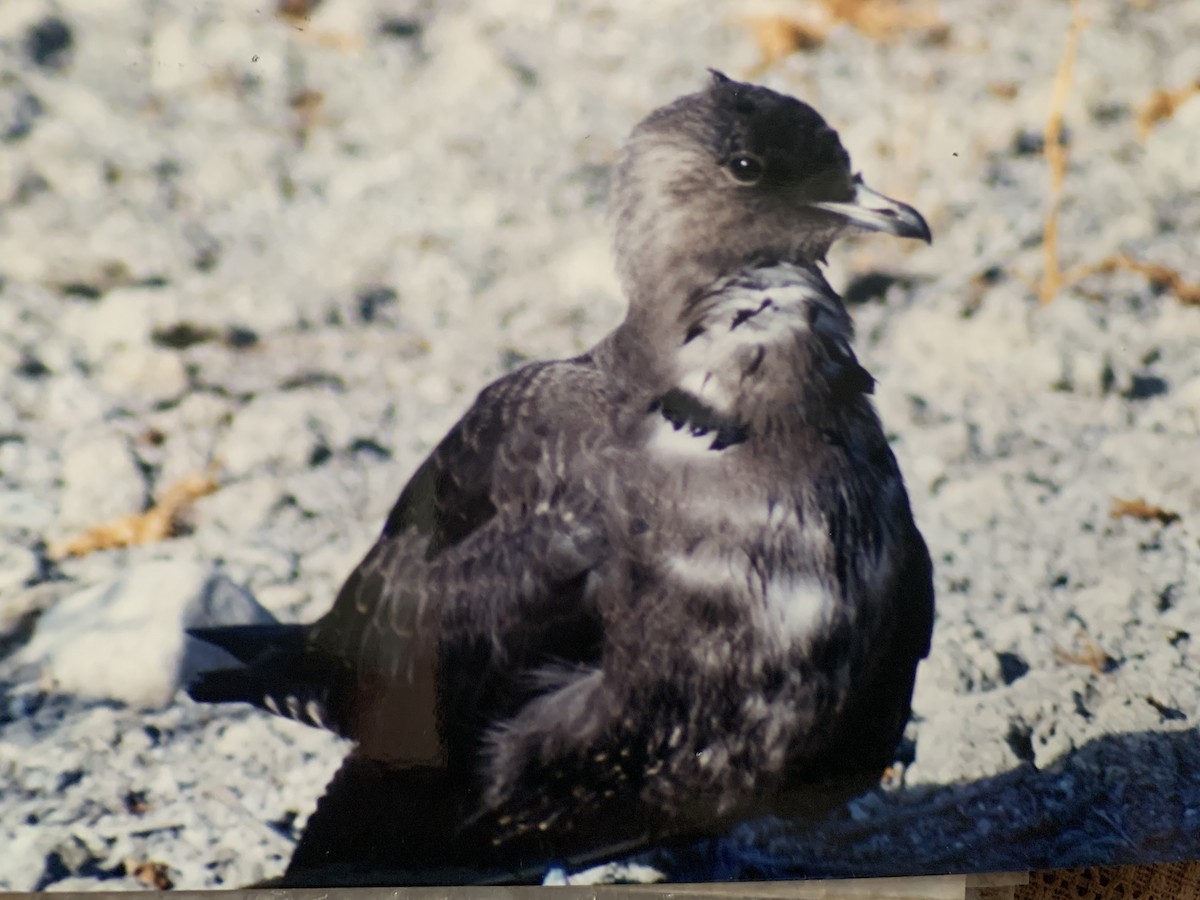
(479, 576)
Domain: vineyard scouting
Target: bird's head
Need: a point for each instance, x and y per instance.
(734, 175)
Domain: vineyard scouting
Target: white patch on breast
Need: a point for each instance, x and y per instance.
(747, 515)
(797, 607)
(667, 440)
(706, 571)
(777, 516)
(751, 313)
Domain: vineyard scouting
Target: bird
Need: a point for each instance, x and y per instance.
(635, 596)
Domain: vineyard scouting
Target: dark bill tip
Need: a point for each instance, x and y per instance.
(872, 211)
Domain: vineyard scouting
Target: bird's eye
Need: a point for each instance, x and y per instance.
(746, 168)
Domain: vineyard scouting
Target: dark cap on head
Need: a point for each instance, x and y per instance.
(787, 138)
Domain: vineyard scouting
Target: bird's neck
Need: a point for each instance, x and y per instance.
(663, 277)
(660, 282)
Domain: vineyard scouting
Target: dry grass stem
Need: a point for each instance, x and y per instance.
(1092, 655)
(1162, 105)
(1140, 509)
(158, 523)
(1160, 276)
(780, 35)
(1056, 155)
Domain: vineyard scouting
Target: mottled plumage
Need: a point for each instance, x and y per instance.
(634, 595)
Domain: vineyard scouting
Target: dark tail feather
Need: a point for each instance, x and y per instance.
(279, 675)
(226, 686)
(250, 643)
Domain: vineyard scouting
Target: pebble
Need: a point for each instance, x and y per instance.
(100, 482)
(125, 640)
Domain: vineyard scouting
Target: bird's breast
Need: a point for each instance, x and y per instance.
(769, 344)
(751, 564)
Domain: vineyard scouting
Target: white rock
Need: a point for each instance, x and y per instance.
(277, 430)
(609, 873)
(965, 740)
(25, 850)
(121, 319)
(239, 508)
(143, 374)
(124, 640)
(101, 481)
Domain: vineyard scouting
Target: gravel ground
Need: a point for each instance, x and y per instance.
(288, 253)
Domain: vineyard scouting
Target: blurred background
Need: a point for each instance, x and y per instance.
(256, 259)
